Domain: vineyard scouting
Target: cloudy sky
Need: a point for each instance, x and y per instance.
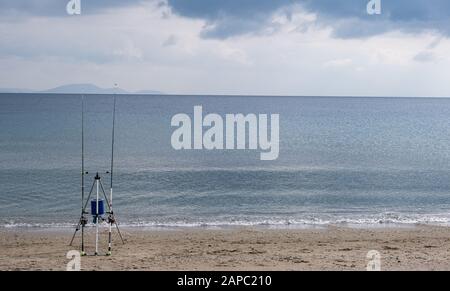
(258, 47)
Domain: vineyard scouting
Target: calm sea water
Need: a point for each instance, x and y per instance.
(342, 160)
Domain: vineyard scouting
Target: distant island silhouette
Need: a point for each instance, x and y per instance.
(81, 89)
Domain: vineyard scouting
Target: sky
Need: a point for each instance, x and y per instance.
(237, 47)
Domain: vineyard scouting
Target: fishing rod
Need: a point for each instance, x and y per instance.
(83, 220)
(111, 219)
(97, 205)
(112, 175)
(82, 174)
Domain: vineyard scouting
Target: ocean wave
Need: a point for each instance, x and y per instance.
(384, 219)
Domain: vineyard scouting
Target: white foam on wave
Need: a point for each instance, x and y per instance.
(12, 225)
(383, 219)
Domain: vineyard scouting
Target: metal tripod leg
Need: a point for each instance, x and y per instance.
(111, 213)
(118, 231)
(83, 211)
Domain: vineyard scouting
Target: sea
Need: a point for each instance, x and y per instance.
(342, 161)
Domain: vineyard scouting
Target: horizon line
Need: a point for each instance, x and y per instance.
(231, 95)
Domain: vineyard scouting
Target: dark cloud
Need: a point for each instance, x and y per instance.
(57, 7)
(230, 17)
(214, 9)
(348, 18)
(227, 18)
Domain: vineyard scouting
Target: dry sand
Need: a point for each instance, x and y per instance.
(418, 248)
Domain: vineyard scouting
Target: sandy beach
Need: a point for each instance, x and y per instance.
(332, 248)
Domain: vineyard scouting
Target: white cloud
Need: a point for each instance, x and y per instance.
(147, 47)
(338, 63)
(425, 56)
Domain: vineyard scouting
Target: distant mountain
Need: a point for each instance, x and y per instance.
(92, 89)
(83, 89)
(80, 89)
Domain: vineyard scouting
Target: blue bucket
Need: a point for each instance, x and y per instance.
(101, 207)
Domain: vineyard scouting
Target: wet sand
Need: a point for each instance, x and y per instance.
(332, 248)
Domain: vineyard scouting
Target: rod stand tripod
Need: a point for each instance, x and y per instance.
(97, 212)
